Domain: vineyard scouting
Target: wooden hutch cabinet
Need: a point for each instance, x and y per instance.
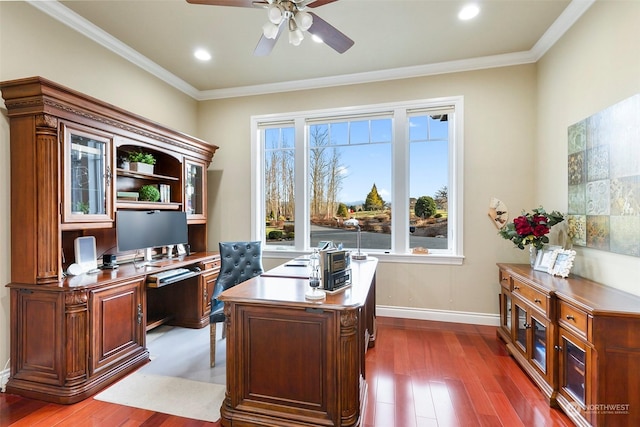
(72, 336)
(578, 340)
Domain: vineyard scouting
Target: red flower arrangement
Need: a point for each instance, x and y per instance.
(531, 228)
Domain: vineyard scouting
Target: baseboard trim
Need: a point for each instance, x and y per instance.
(439, 315)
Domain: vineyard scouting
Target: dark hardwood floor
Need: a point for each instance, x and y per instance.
(420, 373)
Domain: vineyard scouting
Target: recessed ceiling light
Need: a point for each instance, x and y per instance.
(202, 55)
(470, 11)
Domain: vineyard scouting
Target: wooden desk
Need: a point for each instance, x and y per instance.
(73, 338)
(293, 362)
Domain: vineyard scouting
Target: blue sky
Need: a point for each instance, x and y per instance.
(368, 160)
(365, 155)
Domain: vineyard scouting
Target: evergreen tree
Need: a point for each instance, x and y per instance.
(425, 207)
(373, 202)
(343, 212)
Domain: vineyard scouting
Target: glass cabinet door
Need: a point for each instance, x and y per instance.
(87, 175)
(506, 312)
(539, 355)
(194, 196)
(521, 328)
(572, 369)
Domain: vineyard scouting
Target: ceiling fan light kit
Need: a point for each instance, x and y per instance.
(290, 13)
(281, 12)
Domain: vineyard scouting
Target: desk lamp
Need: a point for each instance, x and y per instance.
(358, 256)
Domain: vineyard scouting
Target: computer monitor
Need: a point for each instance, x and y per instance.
(136, 230)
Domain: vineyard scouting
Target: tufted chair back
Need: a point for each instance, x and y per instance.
(239, 261)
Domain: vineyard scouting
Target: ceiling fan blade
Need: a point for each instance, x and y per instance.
(330, 35)
(265, 45)
(235, 3)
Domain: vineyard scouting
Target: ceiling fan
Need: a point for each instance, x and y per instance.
(292, 15)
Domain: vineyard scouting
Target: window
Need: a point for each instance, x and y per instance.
(395, 168)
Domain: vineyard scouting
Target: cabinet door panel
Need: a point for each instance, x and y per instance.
(88, 179)
(573, 362)
(118, 323)
(195, 196)
(522, 326)
(539, 349)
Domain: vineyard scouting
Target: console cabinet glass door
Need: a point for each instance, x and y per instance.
(521, 328)
(194, 185)
(506, 312)
(539, 347)
(87, 175)
(573, 365)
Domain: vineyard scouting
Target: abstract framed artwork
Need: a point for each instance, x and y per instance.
(604, 179)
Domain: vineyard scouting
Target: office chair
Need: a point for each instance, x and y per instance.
(239, 261)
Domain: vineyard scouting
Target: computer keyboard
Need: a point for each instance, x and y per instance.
(169, 276)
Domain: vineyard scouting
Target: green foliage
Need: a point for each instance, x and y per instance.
(373, 202)
(275, 235)
(342, 212)
(149, 193)
(82, 207)
(425, 207)
(142, 157)
(531, 228)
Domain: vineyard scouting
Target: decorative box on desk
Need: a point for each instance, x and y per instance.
(578, 340)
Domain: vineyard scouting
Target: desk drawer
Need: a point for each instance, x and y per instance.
(572, 317)
(536, 298)
(211, 264)
(505, 280)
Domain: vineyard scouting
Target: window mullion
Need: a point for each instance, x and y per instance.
(301, 191)
(400, 173)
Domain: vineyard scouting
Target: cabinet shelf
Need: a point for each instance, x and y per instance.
(133, 204)
(147, 176)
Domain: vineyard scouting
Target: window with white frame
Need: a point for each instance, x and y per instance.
(394, 168)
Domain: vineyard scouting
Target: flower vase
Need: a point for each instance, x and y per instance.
(533, 254)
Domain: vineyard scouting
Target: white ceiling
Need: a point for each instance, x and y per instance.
(393, 39)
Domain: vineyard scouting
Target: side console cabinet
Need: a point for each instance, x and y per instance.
(578, 340)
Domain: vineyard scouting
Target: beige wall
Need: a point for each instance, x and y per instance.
(515, 140)
(32, 44)
(595, 65)
(499, 110)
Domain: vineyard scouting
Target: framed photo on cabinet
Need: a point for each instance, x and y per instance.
(543, 259)
(561, 262)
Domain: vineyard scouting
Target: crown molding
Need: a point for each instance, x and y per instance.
(76, 22)
(567, 18)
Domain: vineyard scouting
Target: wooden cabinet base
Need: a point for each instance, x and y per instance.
(239, 418)
(72, 394)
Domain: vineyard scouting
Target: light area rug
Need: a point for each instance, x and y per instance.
(168, 395)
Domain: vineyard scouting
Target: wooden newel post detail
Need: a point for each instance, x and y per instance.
(77, 342)
(350, 385)
(49, 264)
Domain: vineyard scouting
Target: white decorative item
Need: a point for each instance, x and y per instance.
(498, 212)
(314, 278)
(561, 262)
(141, 167)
